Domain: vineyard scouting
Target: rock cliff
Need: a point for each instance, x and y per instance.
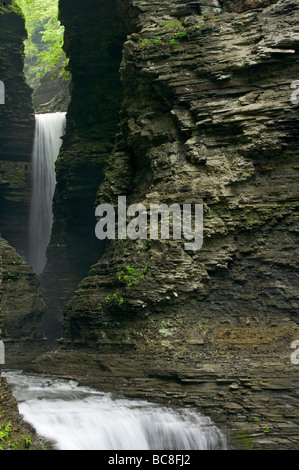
(21, 306)
(21, 332)
(21, 302)
(22, 309)
(17, 130)
(205, 117)
(52, 95)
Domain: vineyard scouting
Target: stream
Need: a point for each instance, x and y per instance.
(74, 417)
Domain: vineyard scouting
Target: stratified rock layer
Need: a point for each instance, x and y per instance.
(21, 306)
(206, 118)
(16, 131)
(52, 95)
(22, 309)
(22, 334)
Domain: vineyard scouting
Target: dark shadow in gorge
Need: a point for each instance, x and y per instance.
(93, 43)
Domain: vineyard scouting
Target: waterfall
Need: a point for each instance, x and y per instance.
(49, 128)
(79, 418)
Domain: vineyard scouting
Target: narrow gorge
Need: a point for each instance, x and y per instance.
(170, 102)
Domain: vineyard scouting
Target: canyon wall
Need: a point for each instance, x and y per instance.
(52, 95)
(16, 131)
(92, 119)
(21, 308)
(205, 118)
(22, 304)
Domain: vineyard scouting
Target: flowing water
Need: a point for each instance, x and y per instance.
(49, 128)
(80, 418)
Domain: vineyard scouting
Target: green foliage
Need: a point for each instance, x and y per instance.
(28, 443)
(149, 42)
(131, 275)
(43, 48)
(265, 427)
(177, 29)
(8, 440)
(114, 298)
(4, 431)
(173, 31)
(173, 25)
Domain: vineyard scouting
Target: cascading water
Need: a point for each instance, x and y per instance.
(49, 128)
(80, 418)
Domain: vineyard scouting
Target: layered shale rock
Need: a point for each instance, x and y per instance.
(21, 331)
(52, 95)
(22, 309)
(206, 118)
(16, 130)
(22, 306)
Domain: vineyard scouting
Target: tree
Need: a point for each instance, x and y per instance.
(43, 48)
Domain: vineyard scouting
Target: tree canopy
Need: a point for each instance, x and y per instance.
(43, 48)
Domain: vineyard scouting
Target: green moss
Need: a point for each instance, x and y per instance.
(245, 441)
(14, 174)
(173, 32)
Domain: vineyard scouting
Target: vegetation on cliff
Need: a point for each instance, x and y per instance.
(43, 48)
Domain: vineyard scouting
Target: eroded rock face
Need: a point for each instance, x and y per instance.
(244, 5)
(206, 118)
(22, 309)
(16, 131)
(16, 134)
(21, 331)
(52, 96)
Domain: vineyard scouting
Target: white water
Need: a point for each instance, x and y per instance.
(49, 128)
(80, 418)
